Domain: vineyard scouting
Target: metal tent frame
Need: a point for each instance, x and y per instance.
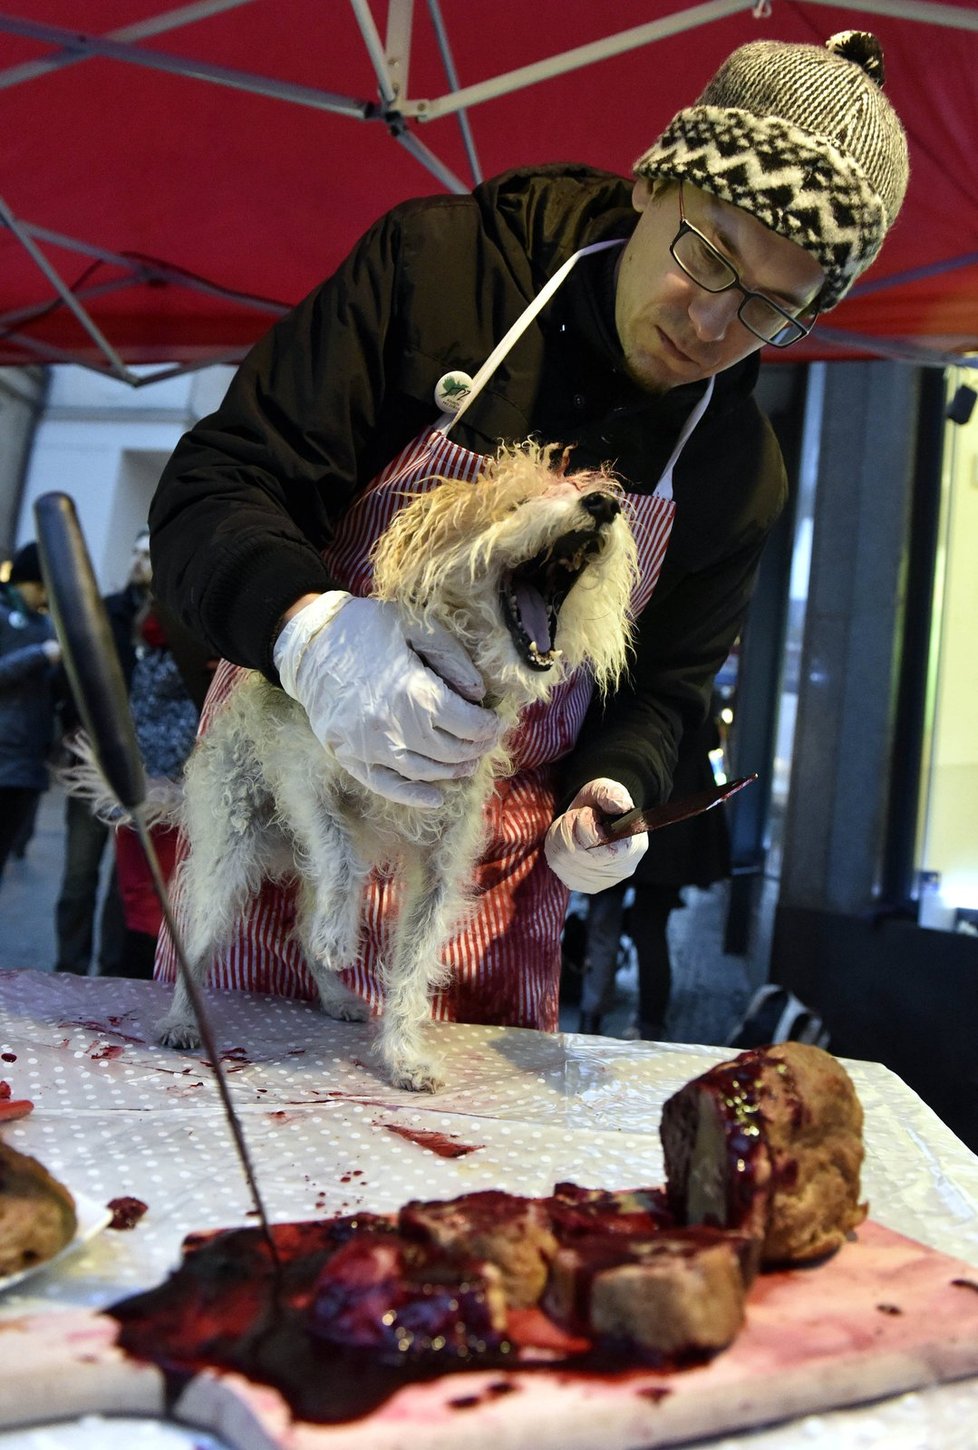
(400, 114)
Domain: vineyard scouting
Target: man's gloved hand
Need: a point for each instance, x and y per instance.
(578, 828)
(389, 705)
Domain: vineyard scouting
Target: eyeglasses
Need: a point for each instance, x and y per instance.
(701, 261)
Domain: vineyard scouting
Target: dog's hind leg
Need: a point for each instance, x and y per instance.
(209, 906)
(179, 1027)
(199, 940)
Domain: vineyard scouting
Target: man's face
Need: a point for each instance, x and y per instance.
(34, 594)
(672, 330)
(140, 568)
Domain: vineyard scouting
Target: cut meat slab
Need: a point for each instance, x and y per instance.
(512, 1232)
(769, 1144)
(679, 1294)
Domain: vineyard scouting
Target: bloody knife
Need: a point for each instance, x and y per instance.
(653, 818)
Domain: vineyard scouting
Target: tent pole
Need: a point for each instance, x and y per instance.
(155, 25)
(956, 16)
(139, 270)
(582, 55)
(375, 51)
(389, 90)
(144, 268)
(22, 316)
(429, 160)
(926, 11)
(85, 45)
(47, 352)
(64, 292)
(898, 349)
(448, 61)
(397, 51)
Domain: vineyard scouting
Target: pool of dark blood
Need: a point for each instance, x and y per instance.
(440, 1143)
(227, 1307)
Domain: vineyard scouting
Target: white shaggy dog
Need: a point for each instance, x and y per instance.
(532, 569)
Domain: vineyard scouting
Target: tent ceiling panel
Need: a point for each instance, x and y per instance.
(189, 170)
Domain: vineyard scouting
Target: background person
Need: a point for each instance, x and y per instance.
(165, 722)
(756, 209)
(86, 836)
(29, 655)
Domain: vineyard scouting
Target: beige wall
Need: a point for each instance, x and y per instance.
(950, 836)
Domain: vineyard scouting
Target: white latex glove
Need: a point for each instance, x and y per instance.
(570, 835)
(389, 706)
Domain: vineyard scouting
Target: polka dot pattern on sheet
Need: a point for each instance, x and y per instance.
(116, 1115)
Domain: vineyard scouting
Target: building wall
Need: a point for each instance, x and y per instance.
(21, 400)
(104, 444)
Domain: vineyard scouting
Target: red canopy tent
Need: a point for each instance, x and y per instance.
(173, 178)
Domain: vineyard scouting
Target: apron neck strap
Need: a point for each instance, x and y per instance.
(518, 328)
(664, 487)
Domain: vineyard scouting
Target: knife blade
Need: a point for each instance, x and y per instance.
(653, 818)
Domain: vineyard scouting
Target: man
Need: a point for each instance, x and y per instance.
(85, 835)
(29, 654)
(754, 211)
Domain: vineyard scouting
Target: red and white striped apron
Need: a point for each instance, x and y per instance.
(505, 964)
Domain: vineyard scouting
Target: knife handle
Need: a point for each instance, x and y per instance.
(615, 827)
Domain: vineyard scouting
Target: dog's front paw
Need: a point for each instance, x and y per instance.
(339, 1002)
(416, 1074)
(349, 1012)
(177, 1032)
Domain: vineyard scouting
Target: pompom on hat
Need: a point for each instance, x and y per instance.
(802, 137)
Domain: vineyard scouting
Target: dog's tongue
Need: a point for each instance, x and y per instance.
(533, 615)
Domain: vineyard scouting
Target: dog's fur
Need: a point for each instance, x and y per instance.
(262, 798)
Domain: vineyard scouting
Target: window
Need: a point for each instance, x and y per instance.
(947, 842)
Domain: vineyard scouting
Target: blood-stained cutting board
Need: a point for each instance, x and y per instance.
(884, 1315)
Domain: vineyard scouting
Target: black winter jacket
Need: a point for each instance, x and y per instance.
(346, 379)
(26, 693)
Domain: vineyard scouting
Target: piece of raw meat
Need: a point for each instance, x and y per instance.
(769, 1144)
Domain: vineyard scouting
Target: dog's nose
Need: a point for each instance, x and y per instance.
(601, 506)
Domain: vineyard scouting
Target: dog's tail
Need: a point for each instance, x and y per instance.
(83, 779)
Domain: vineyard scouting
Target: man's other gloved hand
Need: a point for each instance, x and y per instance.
(388, 705)
(578, 828)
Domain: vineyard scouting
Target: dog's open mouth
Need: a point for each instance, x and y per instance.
(531, 595)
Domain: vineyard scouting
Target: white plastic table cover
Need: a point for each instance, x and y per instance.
(117, 1115)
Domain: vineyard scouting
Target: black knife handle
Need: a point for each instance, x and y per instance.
(88, 649)
(617, 827)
